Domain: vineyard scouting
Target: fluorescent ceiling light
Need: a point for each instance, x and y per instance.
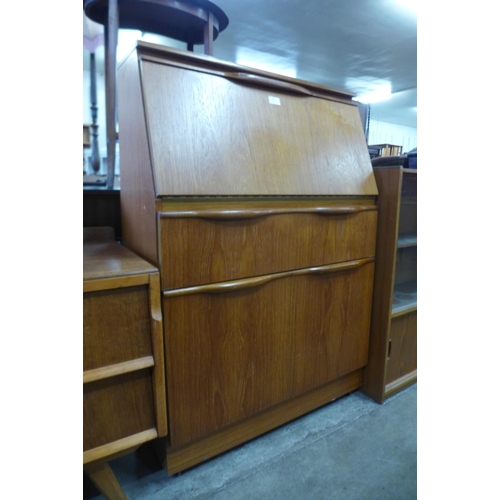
(266, 62)
(383, 93)
(409, 4)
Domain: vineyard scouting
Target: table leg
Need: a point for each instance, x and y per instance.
(111, 41)
(208, 35)
(102, 476)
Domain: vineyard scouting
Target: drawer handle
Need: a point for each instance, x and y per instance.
(261, 81)
(254, 213)
(117, 369)
(235, 285)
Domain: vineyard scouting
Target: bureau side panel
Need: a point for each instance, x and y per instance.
(389, 185)
(137, 183)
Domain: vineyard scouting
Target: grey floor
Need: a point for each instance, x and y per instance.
(351, 449)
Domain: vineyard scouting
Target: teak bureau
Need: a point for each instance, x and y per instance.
(254, 196)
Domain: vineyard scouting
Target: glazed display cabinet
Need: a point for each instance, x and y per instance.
(392, 362)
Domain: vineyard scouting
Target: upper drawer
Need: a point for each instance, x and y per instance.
(207, 243)
(116, 326)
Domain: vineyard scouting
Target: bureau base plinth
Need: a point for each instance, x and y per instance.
(184, 457)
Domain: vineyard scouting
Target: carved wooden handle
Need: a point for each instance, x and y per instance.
(242, 284)
(261, 81)
(117, 369)
(253, 213)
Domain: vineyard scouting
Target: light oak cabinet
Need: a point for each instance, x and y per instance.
(124, 399)
(254, 196)
(392, 362)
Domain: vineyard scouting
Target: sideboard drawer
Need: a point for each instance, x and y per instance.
(117, 407)
(209, 244)
(235, 349)
(124, 399)
(116, 326)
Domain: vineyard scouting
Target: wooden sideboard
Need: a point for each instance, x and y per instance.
(124, 401)
(254, 196)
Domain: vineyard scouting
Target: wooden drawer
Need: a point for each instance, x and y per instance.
(209, 243)
(237, 348)
(117, 407)
(116, 326)
(124, 400)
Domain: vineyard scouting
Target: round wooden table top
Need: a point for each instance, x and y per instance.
(183, 20)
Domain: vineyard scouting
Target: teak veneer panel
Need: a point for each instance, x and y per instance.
(125, 311)
(180, 458)
(111, 260)
(204, 244)
(232, 355)
(245, 145)
(136, 182)
(403, 348)
(117, 407)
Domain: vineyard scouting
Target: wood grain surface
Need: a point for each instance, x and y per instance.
(202, 245)
(403, 358)
(117, 407)
(180, 458)
(137, 183)
(233, 355)
(116, 326)
(212, 136)
(124, 400)
(254, 195)
(110, 259)
(389, 181)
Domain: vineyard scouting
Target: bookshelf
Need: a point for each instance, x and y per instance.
(392, 363)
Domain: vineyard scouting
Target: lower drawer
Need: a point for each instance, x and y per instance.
(237, 348)
(117, 407)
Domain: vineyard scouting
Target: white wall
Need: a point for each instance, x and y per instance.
(388, 133)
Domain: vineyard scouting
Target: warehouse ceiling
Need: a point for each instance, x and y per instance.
(368, 47)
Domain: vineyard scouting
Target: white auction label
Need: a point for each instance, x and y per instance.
(274, 100)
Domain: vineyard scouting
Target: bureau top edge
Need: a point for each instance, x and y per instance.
(210, 64)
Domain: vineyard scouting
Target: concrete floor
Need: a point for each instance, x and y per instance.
(351, 449)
